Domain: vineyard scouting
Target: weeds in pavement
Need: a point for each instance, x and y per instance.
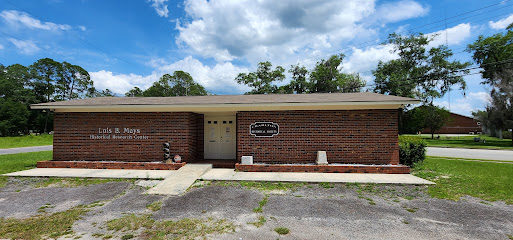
(261, 221)
(41, 226)
(282, 230)
(155, 206)
(326, 185)
(188, 228)
(263, 186)
(77, 182)
(261, 204)
(130, 222)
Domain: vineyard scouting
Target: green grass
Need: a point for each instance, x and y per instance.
(468, 142)
(21, 161)
(26, 141)
(282, 230)
(456, 178)
(41, 226)
(77, 182)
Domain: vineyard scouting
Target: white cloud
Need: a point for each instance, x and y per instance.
(466, 105)
(83, 28)
(16, 18)
(121, 83)
(364, 61)
(501, 24)
(455, 35)
(262, 30)
(401, 10)
(482, 97)
(1, 46)
(218, 79)
(25, 46)
(160, 7)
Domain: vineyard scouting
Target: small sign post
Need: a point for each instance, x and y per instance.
(264, 129)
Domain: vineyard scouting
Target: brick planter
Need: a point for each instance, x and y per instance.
(110, 165)
(392, 169)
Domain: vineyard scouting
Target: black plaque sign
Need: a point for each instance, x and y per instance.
(264, 129)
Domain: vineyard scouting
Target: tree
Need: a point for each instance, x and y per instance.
(494, 56)
(350, 83)
(418, 73)
(434, 117)
(262, 81)
(134, 92)
(179, 84)
(299, 83)
(327, 76)
(324, 77)
(14, 99)
(72, 82)
(46, 72)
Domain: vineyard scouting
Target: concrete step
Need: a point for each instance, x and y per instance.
(181, 179)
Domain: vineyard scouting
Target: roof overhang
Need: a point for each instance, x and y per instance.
(201, 108)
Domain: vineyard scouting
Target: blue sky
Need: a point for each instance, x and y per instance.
(123, 44)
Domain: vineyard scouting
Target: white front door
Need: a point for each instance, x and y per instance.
(220, 138)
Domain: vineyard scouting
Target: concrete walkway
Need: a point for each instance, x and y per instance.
(92, 173)
(176, 182)
(181, 180)
(232, 175)
(26, 149)
(486, 154)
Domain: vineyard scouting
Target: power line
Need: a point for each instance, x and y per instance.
(419, 77)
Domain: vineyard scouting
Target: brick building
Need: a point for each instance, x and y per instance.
(358, 131)
(459, 124)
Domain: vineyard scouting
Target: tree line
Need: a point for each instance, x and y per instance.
(44, 81)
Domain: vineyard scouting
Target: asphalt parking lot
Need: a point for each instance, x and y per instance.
(308, 211)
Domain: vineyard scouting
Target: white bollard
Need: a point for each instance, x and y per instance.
(247, 160)
(322, 159)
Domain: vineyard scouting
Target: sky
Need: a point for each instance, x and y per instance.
(123, 44)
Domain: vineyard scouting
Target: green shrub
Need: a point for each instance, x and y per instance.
(506, 134)
(412, 150)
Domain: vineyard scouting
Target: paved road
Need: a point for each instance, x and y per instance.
(503, 155)
(26, 149)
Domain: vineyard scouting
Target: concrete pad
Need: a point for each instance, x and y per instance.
(219, 174)
(232, 175)
(93, 173)
(181, 180)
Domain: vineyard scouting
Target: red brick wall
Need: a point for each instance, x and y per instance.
(349, 136)
(72, 141)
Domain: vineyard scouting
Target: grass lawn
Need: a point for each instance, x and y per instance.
(26, 141)
(468, 142)
(21, 161)
(456, 178)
